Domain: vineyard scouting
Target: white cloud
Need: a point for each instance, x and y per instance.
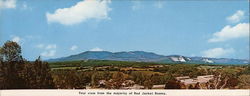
(236, 17)
(50, 46)
(16, 39)
(4, 4)
(231, 32)
(217, 52)
(96, 49)
(82, 11)
(48, 50)
(136, 5)
(74, 47)
(49, 53)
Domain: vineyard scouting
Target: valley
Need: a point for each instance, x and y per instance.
(107, 74)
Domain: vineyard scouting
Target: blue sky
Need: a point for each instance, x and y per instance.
(58, 28)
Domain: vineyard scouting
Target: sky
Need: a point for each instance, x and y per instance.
(59, 28)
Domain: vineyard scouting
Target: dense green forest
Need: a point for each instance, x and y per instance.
(18, 73)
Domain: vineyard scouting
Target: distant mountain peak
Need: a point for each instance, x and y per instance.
(142, 56)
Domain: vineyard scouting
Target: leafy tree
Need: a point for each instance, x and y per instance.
(138, 77)
(2, 71)
(1, 54)
(11, 66)
(3, 75)
(43, 73)
(160, 79)
(69, 79)
(244, 81)
(183, 70)
(148, 84)
(37, 75)
(11, 51)
(14, 73)
(247, 70)
(172, 84)
(117, 79)
(17, 73)
(99, 76)
(225, 78)
(232, 83)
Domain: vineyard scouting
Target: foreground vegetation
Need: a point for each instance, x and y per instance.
(18, 73)
(89, 72)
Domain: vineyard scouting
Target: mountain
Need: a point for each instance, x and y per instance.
(141, 56)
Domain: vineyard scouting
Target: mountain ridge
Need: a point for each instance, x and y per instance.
(142, 56)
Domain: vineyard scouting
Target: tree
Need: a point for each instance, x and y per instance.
(148, 84)
(138, 77)
(183, 70)
(1, 55)
(3, 75)
(160, 79)
(247, 69)
(225, 78)
(11, 66)
(2, 72)
(13, 63)
(18, 73)
(244, 81)
(11, 51)
(69, 79)
(99, 76)
(172, 84)
(43, 71)
(117, 79)
(37, 75)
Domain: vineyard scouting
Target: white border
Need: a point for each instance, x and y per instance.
(63, 92)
